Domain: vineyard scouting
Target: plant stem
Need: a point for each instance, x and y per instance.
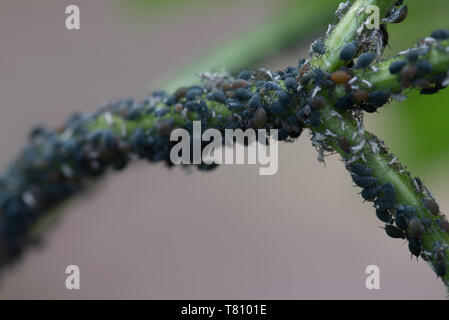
(372, 152)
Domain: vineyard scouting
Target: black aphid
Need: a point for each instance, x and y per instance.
(317, 102)
(314, 119)
(368, 108)
(318, 47)
(291, 84)
(365, 182)
(284, 97)
(441, 34)
(412, 55)
(270, 85)
(414, 245)
(401, 221)
(388, 191)
(384, 33)
(424, 67)
(360, 170)
(440, 269)
(242, 94)
(277, 108)
(383, 215)
(416, 228)
(400, 15)
(193, 93)
(255, 102)
(378, 98)
(432, 206)
(219, 96)
(348, 53)
(396, 66)
(369, 194)
(344, 103)
(365, 60)
(393, 232)
(245, 75)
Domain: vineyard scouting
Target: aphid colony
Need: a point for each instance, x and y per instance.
(415, 70)
(401, 221)
(56, 162)
(358, 93)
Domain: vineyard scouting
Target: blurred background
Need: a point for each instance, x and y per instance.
(154, 233)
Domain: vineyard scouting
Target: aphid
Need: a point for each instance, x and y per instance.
(219, 96)
(344, 103)
(317, 102)
(270, 85)
(242, 94)
(393, 232)
(412, 55)
(400, 15)
(439, 254)
(345, 145)
(277, 108)
(245, 75)
(396, 66)
(318, 47)
(378, 98)
(239, 83)
(365, 182)
(320, 75)
(388, 191)
(441, 34)
(444, 225)
(254, 102)
(432, 206)
(193, 93)
(284, 97)
(340, 76)
(414, 245)
(418, 182)
(383, 215)
(290, 84)
(383, 204)
(401, 221)
(360, 170)
(369, 194)
(360, 95)
(416, 228)
(440, 269)
(260, 118)
(365, 60)
(384, 34)
(314, 119)
(368, 108)
(424, 67)
(409, 72)
(348, 53)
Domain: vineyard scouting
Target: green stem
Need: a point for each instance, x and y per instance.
(374, 155)
(346, 31)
